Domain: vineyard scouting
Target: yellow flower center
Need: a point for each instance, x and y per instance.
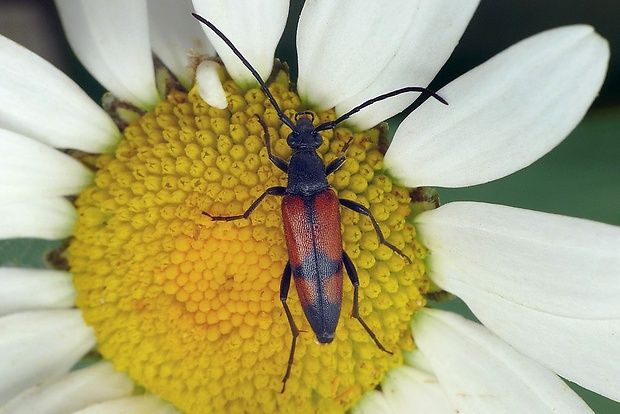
(189, 307)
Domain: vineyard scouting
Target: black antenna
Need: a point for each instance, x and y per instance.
(247, 64)
(326, 125)
(332, 124)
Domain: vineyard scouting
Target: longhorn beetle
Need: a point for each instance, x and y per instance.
(311, 216)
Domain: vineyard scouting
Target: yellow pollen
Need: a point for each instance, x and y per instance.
(189, 307)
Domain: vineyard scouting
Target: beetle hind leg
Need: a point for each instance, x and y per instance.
(352, 272)
(284, 286)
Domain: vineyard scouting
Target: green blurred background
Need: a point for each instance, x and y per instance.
(580, 178)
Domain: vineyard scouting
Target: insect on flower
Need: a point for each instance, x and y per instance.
(311, 216)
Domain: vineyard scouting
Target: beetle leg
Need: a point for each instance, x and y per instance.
(279, 191)
(277, 161)
(352, 272)
(284, 286)
(335, 164)
(357, 207)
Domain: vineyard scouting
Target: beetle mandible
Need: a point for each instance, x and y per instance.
(311, 217)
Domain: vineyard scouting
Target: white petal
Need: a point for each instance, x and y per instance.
(584, 351)
(343, 46)
(547, 284)
(209, 85)
(483, 374)
(432, 33)
(111, 39)
(39, 345)
(48, 218)
(254, 27)
(73, 391)
(31, 169)
(406, 387)
(417, 360)
(30, 289)
(373, 402)
(411, 385)
(39, 101)
(504, 114)
(551, 263)
(175, 34)
(139, 404)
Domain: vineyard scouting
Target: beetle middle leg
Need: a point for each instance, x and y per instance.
(358, 208)
(279, 191)
(352, 272)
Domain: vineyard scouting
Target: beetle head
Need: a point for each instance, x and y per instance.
(304, 135)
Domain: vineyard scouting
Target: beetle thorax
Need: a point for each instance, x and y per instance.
(306, 173)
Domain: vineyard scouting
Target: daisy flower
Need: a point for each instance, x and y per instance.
(183, 314)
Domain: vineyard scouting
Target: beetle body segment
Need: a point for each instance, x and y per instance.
(314, 243)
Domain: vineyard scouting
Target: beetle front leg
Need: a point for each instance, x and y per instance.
(337, 163)
(277, 161)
